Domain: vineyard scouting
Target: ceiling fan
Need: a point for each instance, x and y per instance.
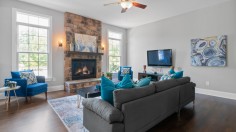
(126, 4)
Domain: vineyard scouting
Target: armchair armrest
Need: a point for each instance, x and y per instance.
(103, 109)
(40, 79)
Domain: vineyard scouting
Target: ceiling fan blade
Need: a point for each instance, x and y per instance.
(116, 3)
(136, 4)
(124, 10)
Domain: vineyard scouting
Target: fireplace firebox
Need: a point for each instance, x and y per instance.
(83, 69)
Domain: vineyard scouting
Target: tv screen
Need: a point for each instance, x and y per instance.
(159, 57)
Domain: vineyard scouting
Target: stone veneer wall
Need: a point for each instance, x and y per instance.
(82, 25)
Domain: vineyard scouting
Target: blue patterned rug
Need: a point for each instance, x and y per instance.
(67, 110)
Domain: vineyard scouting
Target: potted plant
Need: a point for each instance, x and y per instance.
(109, 75)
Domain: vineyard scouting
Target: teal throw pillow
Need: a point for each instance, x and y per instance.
(126, 82)
(107, 88)
(178, 75)
(172, 71)
(143, 82)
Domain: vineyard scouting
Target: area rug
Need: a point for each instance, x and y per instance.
(67, 110)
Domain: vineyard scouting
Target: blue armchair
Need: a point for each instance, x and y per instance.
(29, 90)
(123, 71)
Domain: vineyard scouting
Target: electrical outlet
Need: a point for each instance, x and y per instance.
(207, 83)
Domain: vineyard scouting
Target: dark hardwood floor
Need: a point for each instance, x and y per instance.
(211, 114)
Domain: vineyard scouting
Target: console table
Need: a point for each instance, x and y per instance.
(154, 77)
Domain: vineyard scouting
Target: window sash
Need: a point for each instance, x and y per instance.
(46, 52)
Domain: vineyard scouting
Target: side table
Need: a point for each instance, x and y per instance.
(8, 90)
(88, 92)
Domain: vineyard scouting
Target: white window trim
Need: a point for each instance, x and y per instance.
(14, 40)
(121, 46)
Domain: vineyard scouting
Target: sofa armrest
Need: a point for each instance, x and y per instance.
(40, 79)
(103, 109)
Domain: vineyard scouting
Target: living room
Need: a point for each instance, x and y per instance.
(163, 24)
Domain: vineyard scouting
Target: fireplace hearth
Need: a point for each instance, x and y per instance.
(83, 69)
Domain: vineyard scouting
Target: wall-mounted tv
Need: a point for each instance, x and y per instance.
(159, 57)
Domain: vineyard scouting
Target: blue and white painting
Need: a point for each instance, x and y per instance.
(85, 43)
(210, 51)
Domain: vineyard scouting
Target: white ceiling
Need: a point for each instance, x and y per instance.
(156, 9)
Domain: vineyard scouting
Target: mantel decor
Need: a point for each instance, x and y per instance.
(210, 51)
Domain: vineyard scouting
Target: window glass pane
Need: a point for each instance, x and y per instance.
(114, 64)
(23, 57)
(23, 40)
(33, 39)
(33, 65)
(43, 72)
(21, 17)
(23, 30)
(33, 57)
(33, 31)
(44, 22)
(33, 20)
(33, 48)
(42, 40)
(42, 48)
(23, 65)
(43, 32)
(43, 57)
(114, 35)
(23, 48)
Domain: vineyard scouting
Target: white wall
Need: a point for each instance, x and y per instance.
(176, 33)
(6, 39)
(105, 29)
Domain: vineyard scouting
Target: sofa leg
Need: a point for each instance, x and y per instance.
(194, 105)
(179, 114)
(46, 95)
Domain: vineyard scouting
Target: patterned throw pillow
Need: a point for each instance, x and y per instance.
(125, 71)
(29, 76)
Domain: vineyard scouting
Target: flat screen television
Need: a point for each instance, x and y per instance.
(159, 57)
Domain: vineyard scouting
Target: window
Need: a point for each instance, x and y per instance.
(33, 42)
(114, 40)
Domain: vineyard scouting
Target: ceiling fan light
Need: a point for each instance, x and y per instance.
(126, 4)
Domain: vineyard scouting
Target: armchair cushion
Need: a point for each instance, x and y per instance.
(29, 76)
(36, 88)
(16, 74)
(125, 70)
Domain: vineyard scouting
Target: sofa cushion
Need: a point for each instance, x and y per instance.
(103, 109)
(126, 82)
(122, 96)
(183, 80)
(165, 84)
(107, 88)
(178, 74)
(143, 82)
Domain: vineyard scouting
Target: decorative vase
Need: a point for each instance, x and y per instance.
(144, 68)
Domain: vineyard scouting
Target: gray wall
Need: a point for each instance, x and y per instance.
(176, 32)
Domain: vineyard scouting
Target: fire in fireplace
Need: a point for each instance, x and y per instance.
(83, 69)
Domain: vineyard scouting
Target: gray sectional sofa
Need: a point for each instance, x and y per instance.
(138, 109)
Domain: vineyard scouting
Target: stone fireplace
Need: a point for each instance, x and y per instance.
(83, 68)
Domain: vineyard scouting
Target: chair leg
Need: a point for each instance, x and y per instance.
(26, 99)
(46, 95)
(9, 99)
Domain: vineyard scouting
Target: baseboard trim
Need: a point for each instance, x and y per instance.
(216, 93)
(55, 88)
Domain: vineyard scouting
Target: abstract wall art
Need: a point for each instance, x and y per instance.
(210, 51)
(85, 43)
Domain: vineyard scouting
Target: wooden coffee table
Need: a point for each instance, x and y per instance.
(88, 92)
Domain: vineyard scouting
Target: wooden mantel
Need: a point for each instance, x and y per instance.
(82, 53)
